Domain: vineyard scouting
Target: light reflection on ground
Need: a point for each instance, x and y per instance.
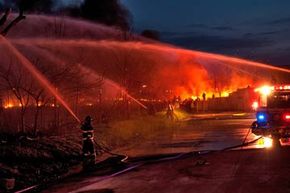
(198, 135)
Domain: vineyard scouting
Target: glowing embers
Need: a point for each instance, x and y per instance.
(8, 106)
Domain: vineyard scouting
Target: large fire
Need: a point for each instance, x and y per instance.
(188, 78)
(166, 71)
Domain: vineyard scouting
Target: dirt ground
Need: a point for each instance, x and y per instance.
(33, 161)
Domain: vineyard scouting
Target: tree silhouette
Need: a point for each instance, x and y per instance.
(43, 6)
(109, 12)
(151, 34)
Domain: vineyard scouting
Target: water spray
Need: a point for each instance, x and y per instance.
(126, 93)
(160, 47)
(34, 71)
(167, 50)
(115, 85)
(59, 61)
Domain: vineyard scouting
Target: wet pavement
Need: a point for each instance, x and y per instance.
(251, 171)
(198, 133)
(214, 132)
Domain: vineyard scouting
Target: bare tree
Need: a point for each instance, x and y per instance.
(67, 78)
(129, 72)
(5, 17)
(14, 81)
(14, 22)
(57, 76)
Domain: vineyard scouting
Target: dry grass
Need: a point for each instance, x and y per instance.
(137, 130)
(31, 162)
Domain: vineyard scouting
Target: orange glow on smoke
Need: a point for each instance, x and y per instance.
(163, 69)
(189, 79)
(185, 79)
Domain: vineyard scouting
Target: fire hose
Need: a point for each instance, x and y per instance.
(110, 152)
(138, 162)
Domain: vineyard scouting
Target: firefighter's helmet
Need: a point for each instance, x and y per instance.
(88, 119)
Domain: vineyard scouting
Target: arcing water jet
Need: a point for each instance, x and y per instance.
(152, 47)
(114, 84)
(58, 61)
(174, 68)
(43, 81)
(95, 45)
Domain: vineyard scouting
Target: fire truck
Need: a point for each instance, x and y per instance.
(273, 115)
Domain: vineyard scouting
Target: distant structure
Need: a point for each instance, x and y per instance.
(240, 100)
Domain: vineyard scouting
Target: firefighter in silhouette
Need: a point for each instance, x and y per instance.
(204, 96)
(203, 101)
(89, 153)
(170, 111)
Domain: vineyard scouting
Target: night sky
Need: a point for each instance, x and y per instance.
(252, 29)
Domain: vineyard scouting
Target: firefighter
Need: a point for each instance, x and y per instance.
(170, 111)
(204, 96)
(89, 153)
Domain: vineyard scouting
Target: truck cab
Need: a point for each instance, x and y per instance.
(273, 117)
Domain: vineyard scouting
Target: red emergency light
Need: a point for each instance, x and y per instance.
(286, 117)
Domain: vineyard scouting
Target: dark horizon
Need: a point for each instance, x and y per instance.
(255, 30)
